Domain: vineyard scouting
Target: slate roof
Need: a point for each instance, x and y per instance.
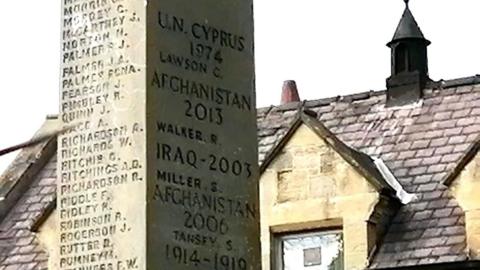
(420, 143)
(28, 186)
(20, 247)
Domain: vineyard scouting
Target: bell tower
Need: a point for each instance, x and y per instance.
(409, 62)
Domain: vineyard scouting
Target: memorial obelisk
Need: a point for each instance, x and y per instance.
(160, 168)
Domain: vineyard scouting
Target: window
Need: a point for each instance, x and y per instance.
(401, 59)
(310, 251)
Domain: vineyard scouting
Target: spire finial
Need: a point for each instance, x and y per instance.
(406, 2)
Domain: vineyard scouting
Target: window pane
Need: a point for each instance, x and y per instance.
(313, 252)
(401, 58)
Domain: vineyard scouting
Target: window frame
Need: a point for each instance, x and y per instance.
(276, 260)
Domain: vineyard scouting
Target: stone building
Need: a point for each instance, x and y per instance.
(374, 180)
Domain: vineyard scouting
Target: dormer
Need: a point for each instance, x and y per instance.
(323, 203)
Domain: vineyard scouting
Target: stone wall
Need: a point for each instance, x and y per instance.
(465, 189)
(308, 186)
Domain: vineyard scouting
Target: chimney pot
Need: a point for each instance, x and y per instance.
(289, 92)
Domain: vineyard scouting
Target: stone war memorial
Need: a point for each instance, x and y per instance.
(160, 160)
(159, 167)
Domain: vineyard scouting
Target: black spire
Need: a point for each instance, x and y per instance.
(409, 61)
(408, 27)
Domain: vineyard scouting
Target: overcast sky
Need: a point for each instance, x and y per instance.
(329, 47)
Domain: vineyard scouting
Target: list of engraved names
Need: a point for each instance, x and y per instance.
(97, 157)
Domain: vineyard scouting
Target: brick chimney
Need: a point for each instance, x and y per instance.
(289, 92)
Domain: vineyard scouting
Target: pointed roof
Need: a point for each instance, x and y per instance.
(374, 171)
(32, 158)
(467, 157)
(408, 28)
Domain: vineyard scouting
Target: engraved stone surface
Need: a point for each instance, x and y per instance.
(160, 168)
